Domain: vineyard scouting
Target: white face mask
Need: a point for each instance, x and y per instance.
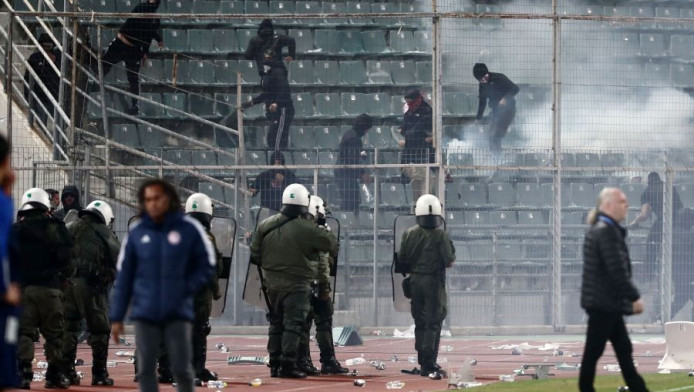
(266, 68)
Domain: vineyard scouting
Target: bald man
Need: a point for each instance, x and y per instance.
(607, 292)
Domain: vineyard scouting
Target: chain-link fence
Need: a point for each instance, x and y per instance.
(570, 99)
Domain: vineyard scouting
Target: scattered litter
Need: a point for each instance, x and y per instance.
(446, 348)
(443, 360)
(377, 332)
(519, 372)
(42, 365)
(395, 384)
(125, 342)
(39, 376)
(216, 384)
(355, 361)
(354, 373)
(667, 371)
(464, 385)
(225, 349)
(219, 346)
(256, 383)
(239, 360)
(437, 375)
(507, 378)
(649, 354)
(412, 359)
(612, 368)
(79, 362)
(623, 389)
(359, 382)
(558, 353)
(125, 354)
(378, 365)
(473, 362)
(446, 333)
(691, 374)
(516, 351)
(527, 346)
(409, 333)
(393, 358)
(111, 364)
(566, 366)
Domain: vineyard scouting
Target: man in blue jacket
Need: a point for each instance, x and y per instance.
(164, 261)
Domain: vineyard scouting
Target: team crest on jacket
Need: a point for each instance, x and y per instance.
(145, 239)
(174, 237)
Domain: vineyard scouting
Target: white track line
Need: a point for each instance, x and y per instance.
(678, 389)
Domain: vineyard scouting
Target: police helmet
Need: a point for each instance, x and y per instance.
(101, 209)
(199, 202)
(316, 206)
(428, 211)
(295, 200)
(35, 199)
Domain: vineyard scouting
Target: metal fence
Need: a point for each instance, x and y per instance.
(604, 99)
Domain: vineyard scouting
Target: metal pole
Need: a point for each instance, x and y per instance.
(374, 293)
(437, 78)
(73, 93)
(557, 308)
(8, 77)
(666, 249)
(237, 271)
(495, 276)
(61, 90)
(104, 116)
(241, 156)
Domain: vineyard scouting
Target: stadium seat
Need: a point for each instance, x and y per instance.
(200, 41)
(255, 158)
(568, 159)
(612, 160)
(327, 72)
(502, 195)
(398, 105)
(456, 104)
(149, 110)
(352, 73)
(305, 158)
(572, 218)
(152, 71)
(385, 8)
(101, 6)
(225, 41)
(424, 72)
(532, 218)
(150, 137)
(658, 73)
(178, 157)
(204, 158)
(633, 192)
(175, 101)
(225, 72)
(363, 7)
(302, 137)
(682, 75)
(255, 111)
(214, 191)
(118, 75)
(682, 46)
(626, 44)
(378, 72)
(304, 40)
(686, 194)
(389, 157)
(328, 105)
(353, 104)
(460, 159)
(583, 195)
(244, 36)
(473, 195)
(588, 160)
(327, 41)
(307, 8)
(334, 8)
(531, 195)
(281, 7)
(652, 44)
(180, 71)
(393, 195)
(125, 134)
(301, 72)
(374, 41)
(350, 42)
(548, 192)
(249, 72)
(327, 137)
(377, 104)
(402, 41)
(201, 72)
(257, 7)
(179, 6)
(423, 41)
(476, 218)
(201, 105)
(381, 137)
(176, 40)
(327, 158)
(403, 72)
(491, 23)
(205, 7)
(303, 105)
(503, 218)
(224, 104)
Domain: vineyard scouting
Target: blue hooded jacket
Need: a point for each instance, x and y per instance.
(160, 268)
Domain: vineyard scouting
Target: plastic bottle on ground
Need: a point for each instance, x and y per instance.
(355, 361)
(216, 384)
(395, 384)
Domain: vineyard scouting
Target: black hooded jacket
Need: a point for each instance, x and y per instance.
(607, 284)
(271, 197)
(416, 127)
(141, 31)
(276, 89)
(351, 147)
(499, 86)
(68, 190)
(268, 41)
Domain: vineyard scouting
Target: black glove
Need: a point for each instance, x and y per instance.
(321, 221)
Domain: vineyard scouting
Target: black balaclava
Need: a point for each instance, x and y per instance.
(362, 123)
(479, 70)
(266, 29)
(204, 219)
(70, 190)
(277, 156)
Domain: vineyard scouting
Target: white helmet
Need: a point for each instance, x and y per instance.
(35, 198)
(199, 202)
(316, 204)
(101, 209)
(295, 200)
(428, 211)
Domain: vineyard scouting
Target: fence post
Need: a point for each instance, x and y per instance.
(556, 300)
(8, 77)
(374, 293)
(73, 92)
(437, 79)
(666, 247)
(107, 129)
(61, 88)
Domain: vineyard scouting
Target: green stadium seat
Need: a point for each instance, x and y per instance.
(652, 44)
(255, 158)
(225, 41)
(502, 194)
(244, 37)
(377, 104)
(389, 157)
(201, 105)
(301, 72)
(175, 101)
(327, 41)
(327, 137)
(379, 72)
(255, 111)
(588, 160)
(385, 8)
(179, 6)
(118, 75)
(374, 41)
(249, 72)
(364, 7)
(658, 74)
(682, 46)
(583, 195)
(530, 195)
(424, 72)
(423, 40)
(205, 7)
(327, 72)
(101, 6)
(303, 137)
(214, 191)
(282, 7)
(152, 71)
(568, 159)
(125, 134)
(306, 158)
(257, 7)
(533, 218)
(201, 72)
(178, 157)
(354, 104)
(176, 40)
(350, 42)
(234, 7)
(203, 158)
(149, 110)
(225, 72)
(303, 105)
(626, 44)
(455, 104)
(224, 104)
(473, 195)
(393, 195)
(504, 218)
(150, 137)
(682, 75)
(397, 105)
(334, 8)
(303, 38)
(477, 218)
(352, 73)
(403, 72)
(460, 159)
(687, 13)
(667, 12)
(381, 137)
(402, 41)
(308, 8)
(491, 9)
(328, 105)
(612, 159)
(181, 71)
(547, 190)
(328, 158)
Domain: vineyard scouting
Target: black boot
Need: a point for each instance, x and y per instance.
(332, 366)
(25, 379)
(274, 366)
(133, 110)
(55, 379)
(72, 376)
(305, 365)
(206, 376)
(100, 377)
(289, 370)
(135, 378)
(165, 375)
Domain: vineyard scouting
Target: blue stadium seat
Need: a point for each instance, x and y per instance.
(225, 72)
(374, 41)
(201, 105)
(327, 137)
(175, 101)
(176, 40)
(327, 41)
(473, 195)
(303, 105)
(403, 72)
(150, 137)
(352, 73)
(301, 72)
(327, 72)
(303, 38)
(350, 42)
(377, 104)
(225, 41)
(378, 72)
(125, 134)
(328, 105)
(652, 44)
(502, 194)
(201, 72)
(353, 104)
(402, 41)
(249, 72)
(303, 137)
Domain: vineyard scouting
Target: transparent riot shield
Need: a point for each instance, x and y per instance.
(334, 225)
(402, 224)
(71, 217)
(224, 231)
(253, 289)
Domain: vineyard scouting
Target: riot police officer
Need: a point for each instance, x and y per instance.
(94, 258)
(284, 246)
(43, 247)
(199, 206)
(321, 305)
(425, 252)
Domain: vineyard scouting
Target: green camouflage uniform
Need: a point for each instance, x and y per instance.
(427, 252)
(285, 254)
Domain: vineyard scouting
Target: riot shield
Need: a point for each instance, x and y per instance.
(131, 222)
(402, 224)
(253, 289)
(71, 216)
(334, 225)
(224, 231)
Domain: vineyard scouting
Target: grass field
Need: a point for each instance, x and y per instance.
(655, 382)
